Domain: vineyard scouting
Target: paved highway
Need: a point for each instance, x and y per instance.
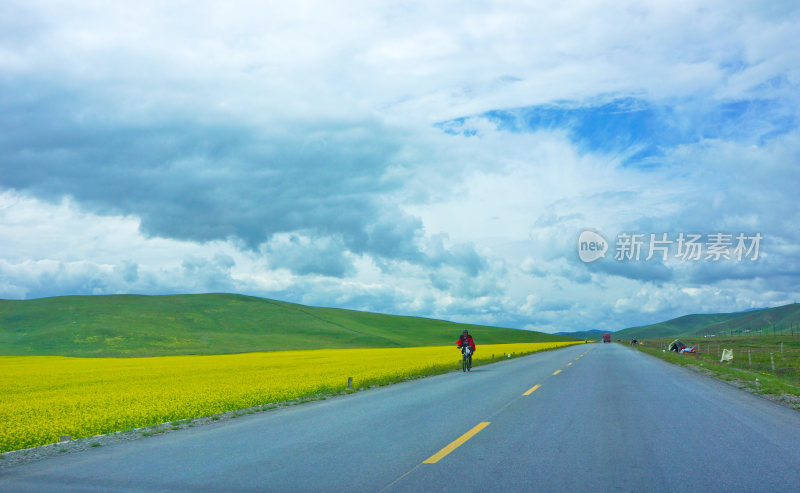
(598, 417)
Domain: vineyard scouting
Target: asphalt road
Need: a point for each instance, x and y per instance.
(598, 417)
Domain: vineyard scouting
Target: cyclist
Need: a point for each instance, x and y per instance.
(466, 339)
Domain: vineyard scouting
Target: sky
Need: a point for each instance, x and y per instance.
(438, 159)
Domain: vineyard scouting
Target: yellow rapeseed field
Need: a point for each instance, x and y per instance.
(44, 397)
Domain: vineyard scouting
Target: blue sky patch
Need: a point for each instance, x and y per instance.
(640, 130)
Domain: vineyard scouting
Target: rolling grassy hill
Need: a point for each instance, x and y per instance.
(782, 319)
(132, 325)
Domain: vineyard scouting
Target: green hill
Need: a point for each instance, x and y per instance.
(776, 320)
(132, 325)
(780, 319)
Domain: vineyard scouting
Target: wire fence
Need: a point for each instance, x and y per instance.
(773, 355)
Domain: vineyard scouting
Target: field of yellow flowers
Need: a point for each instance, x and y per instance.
(44, 397)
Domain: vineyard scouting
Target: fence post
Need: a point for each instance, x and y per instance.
(781, 347)
(772, 361)
(749, 359)
(349, 382)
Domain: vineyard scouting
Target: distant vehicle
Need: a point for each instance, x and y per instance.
(606, 337)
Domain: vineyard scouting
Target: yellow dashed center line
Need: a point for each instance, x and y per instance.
(466, 436)
(455, 444)
(530, 391)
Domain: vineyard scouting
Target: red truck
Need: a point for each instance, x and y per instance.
(606, 337)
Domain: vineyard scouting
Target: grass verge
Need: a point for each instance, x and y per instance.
(772, 387)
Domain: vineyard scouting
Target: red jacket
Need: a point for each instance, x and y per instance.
(469, 341)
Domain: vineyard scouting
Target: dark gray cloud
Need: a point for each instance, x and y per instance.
(192, 180)
(302, 255)
(189, 179)
(288, 142)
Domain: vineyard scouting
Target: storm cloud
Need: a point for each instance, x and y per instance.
(427, 159)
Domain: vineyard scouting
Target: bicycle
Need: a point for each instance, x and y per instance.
(466, 358)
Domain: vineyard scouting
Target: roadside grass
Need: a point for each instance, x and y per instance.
(783, 388)
(775, 355)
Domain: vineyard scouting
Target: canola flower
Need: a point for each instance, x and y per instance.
(44, 397)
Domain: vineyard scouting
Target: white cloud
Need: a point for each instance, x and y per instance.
(292, 150)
